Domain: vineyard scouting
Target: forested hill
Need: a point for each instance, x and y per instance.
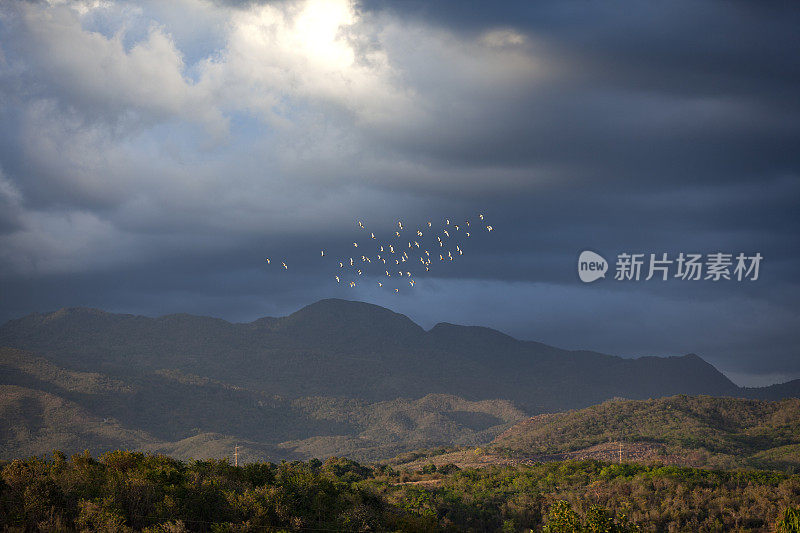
(712, 432)
(357, 350)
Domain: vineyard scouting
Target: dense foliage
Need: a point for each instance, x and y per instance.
(124, 490)
(695, 430)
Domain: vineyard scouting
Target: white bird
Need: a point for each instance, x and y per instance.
(400, 273)
(380, 284)
(448, 222)
(337, 278)
(372, 235)
(397, 290)
(359, 271)
(387, 272)
(408, 274)
(429, 224)
(441, 258)
(416, 244)
(412, 282)
(351, 261)
(467, 222)
(467, 234)
(284, 266)
(455, 227)
(397, 233)
(267, 260)
(399, 224)
(322, 253)
(355, 244)
(419, 233)
(489, 228)
(360, 224)
(445, 232)
(481, 215)
(391, 249)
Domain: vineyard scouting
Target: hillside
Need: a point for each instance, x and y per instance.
(697, 431)
(44, 407)
(335, 378)
(357, 350)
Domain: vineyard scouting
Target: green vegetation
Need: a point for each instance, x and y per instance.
(124, 491)
(700, 430)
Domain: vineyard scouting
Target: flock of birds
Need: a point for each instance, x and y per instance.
(407, 253)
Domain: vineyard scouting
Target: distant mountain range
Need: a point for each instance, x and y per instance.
(335, 377)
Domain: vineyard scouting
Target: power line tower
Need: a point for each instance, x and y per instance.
(236, 455)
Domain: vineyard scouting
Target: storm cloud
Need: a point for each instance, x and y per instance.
(153, 153)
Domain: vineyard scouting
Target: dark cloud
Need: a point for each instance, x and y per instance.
(617, 127)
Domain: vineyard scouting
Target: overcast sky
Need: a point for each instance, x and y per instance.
(153, 154)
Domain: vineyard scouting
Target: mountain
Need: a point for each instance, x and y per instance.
(790, 389)
(336, 377)
(44, 407)
(358, 350)
(698, 431)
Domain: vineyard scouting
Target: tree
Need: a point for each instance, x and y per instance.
(789, 521)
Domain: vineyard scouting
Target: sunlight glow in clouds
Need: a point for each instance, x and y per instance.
(282, 55)
(177, 141)
(317, 75)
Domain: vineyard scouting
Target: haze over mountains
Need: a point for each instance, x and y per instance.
(335, 377)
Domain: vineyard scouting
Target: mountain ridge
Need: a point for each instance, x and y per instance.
(283, 322)
(334, 378)
(356, 349)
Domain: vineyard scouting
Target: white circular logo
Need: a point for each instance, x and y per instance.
(591, 266)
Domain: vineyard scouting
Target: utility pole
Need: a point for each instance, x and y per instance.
(620, 452)
(236, 456)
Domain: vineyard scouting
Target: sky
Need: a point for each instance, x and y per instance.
(153, 154)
